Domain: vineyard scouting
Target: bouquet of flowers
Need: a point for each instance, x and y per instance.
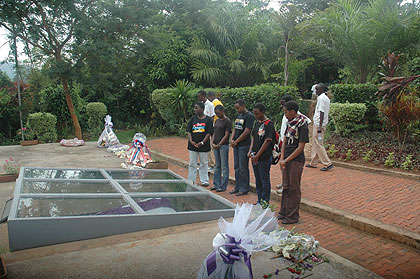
(108, 137)
(138, 155)
(250, 231)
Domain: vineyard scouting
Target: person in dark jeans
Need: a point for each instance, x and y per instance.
(260, 152)
(220, 143)
(240, 142)
(292, 161)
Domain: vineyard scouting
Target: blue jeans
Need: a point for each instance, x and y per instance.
(221, 157)
(241, 164)
(262, 179)
(202, 171)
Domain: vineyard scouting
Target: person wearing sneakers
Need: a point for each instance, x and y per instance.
(241, 139)
(199, 130)
(284, 99)
(322, 110)
(292, 159)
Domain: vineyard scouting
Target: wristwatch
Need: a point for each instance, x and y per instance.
(202, 143)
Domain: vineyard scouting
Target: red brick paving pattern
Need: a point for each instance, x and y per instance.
(384, 257)
(390, 200)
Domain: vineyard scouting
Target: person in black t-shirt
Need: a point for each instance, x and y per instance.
(292, 161)
(260, 152)
(240, 142)
(199, 129)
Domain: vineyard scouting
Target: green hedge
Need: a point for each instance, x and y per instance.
(268, 94)
(347, 118)
(43, 125)
(359, 93)
(96, 112)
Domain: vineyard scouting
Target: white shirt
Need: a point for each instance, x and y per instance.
(284, 125)
(323, 104)
(313, 89)
(209, 108)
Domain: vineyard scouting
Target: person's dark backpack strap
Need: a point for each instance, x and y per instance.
(275, 153)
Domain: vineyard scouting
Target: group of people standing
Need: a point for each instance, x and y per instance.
(252, 137)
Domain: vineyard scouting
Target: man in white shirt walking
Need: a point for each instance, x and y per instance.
(322, 110)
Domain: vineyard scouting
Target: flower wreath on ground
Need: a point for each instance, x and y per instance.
(253, 229)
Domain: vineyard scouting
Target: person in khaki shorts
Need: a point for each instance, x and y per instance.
(320, 121)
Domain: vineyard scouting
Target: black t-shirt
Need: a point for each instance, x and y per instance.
(243, 121)
(220, 127)
(302, 135)
(199, 128)
(260, 133)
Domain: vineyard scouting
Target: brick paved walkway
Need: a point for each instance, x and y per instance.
(389, 200)
(384, 257)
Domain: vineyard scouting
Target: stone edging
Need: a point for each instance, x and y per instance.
(375, 170)
(355, 221)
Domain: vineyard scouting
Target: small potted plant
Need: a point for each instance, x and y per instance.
(29, 135)
(11, 167)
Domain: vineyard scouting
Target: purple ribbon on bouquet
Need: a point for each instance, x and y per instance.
(229, 252)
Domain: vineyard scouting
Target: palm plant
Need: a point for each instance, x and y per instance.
(179, 96)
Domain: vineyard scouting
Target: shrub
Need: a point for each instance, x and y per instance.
(53, 100)
(368, 155)
(268, 94)
(43, 125)
(390, 160)
(331, 151)
(347, 117)
(400, 115)
(96, 112)
(408, 163)
(359, 93)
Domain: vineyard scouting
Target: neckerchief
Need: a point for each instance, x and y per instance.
(292, 127)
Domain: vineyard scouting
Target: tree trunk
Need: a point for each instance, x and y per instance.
(64, 81)
(286, 60)
(363, 74)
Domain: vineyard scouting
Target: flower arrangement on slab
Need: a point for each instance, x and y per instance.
(11, 166)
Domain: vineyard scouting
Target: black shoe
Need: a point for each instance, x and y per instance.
(220, 190)
(234, 191)
(241, 194)
(286, 222)
(310, 166)
(327, 168)
(213, 188)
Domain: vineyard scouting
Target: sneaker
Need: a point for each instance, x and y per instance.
(241, 194)
(280, 191)
(234, 192)
(310, 166)
(205, 184)
(213, 188)
(220, 190)
(279, 186)
(327, 168)
(211, 169)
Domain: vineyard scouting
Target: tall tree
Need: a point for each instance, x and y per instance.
(48, 26)
(359, 33)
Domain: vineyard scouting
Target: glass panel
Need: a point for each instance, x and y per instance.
(141, 174)
(64, 174)
(66, 187)
(50, 207)
(156, 187)
(179, 204)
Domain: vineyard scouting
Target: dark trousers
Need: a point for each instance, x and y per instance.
(291, 196)
(262, 179)
(241, 164)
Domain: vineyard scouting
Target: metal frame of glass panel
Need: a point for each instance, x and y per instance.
(28, 231)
